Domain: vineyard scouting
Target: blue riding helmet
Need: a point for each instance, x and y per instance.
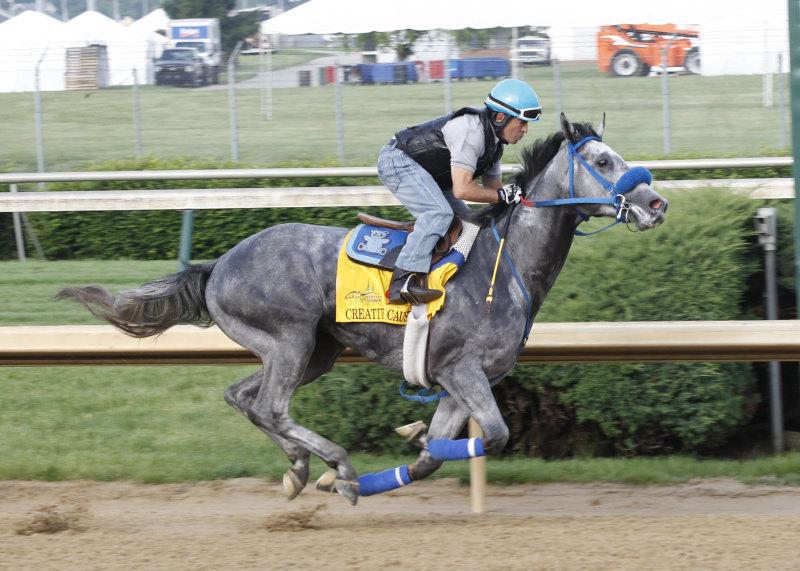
(515, 98)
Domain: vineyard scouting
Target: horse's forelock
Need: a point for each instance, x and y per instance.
(585, 130)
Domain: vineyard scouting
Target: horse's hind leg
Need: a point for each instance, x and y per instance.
(270, 411)
(240, 395)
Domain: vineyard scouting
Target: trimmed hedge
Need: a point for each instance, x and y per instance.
(703, 264)
(147, 235)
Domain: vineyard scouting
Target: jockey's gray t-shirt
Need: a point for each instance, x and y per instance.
(464, 138)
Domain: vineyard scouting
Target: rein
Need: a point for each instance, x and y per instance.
(628, 181)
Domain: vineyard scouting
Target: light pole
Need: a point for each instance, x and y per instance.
(766, 226)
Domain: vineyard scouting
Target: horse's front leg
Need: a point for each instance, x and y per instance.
(471, 390)
(447, 422)
(468, 399)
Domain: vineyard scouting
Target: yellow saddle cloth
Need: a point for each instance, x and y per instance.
(361, 290)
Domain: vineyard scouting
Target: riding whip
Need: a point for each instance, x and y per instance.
(488, 307)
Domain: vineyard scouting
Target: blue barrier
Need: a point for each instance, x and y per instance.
(401, 72)
(406, 72)
(480, 67)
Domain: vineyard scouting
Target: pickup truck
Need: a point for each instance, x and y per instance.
(180, 66)
(533, 50)
(202, 34)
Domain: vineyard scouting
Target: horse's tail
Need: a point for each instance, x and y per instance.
(152, 308)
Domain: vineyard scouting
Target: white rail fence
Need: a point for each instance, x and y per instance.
(297, 197)
(591, 342)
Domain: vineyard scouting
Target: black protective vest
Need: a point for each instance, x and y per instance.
(425, 144)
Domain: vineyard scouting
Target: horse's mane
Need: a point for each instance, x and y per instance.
(534, 159)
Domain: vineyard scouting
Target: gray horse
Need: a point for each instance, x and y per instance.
(274, 293)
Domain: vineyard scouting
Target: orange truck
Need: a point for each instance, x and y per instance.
(632, 49)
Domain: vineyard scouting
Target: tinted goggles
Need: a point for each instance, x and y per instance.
(529, 114)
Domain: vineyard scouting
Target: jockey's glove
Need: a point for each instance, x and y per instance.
(509, 194)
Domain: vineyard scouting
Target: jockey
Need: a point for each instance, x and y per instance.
(431, 168)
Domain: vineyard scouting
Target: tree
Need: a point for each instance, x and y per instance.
(232, 29)
(469, 38)
(401, 41)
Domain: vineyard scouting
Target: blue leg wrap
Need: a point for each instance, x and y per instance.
(444, 449)
(390, 479)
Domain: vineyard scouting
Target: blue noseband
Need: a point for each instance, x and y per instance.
(628, 181)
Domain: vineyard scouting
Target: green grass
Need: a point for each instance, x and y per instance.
(82, 128)
(28, 288)
(170, 424)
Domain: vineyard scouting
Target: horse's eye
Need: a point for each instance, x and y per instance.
(602, 163)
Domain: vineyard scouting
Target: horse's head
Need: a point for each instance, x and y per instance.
(601, 183)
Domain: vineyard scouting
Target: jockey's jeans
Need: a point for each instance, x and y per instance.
(431, 206)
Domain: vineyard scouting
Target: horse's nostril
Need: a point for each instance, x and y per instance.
(656, 204)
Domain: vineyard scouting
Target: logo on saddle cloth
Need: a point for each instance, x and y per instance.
(366, 261)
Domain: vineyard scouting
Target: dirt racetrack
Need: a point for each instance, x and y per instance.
(248, 524)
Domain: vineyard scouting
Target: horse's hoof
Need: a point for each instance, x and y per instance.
(292, 485)
(327, 482)
(349, 490)
(415, 433)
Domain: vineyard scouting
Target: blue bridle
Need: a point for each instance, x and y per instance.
(632, 178)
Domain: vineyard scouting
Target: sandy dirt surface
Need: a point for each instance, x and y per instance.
(248, 524)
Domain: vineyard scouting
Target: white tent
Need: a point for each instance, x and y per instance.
(154, 21)
(127, 51)
(32, 40)
(361, 16)
(720, 20)
(732, 45)
(149, 27)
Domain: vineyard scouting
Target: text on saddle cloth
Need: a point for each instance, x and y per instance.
(362, 280)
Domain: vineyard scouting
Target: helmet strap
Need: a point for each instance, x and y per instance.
(498, 125)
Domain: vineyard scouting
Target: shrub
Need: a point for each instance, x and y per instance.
(703, 264)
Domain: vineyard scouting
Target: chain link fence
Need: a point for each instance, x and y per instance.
(337, 111)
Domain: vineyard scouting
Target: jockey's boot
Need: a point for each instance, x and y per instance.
(409, 287)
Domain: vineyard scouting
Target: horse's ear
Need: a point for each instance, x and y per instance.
(601, 128)
(568, 130)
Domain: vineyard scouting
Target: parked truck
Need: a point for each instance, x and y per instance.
(628, 50)
(180, 66)
(533, 50)
(202, 34)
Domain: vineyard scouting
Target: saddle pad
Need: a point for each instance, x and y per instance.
(369, 244)
(361, 291)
